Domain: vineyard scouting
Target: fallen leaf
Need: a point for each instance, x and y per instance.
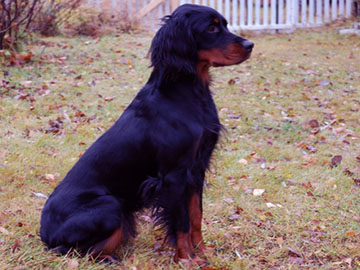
(270, 205)
(234, 217)
(293, 251)
(348, 172)
(315, 131)
(348, 261)
(335, 161)
(4, 231)
(243, 161)
(72, 264)
(313, 123)
(26, 83)
(231, 82)
(109, 98)
(247, 190)
(324, 83)
(15, 245)
(311, 149)
(40, 195)
(49, 177)
(307, 185)
(258, 191)
(296, 260)
(228, 200)
(279, 240)
(357, 181)
(237, 254)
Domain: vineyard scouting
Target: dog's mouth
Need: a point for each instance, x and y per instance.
(232, 61)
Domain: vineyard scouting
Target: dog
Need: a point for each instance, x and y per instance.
(157, 153)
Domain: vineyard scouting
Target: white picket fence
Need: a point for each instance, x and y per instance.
(243, 14)
(279, 14)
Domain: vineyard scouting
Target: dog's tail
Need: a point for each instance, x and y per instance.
(150, 190)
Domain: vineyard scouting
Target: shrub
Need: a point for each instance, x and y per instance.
(88, 21)
(16, 17)
(53, 14)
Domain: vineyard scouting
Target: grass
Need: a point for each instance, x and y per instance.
(53, 108)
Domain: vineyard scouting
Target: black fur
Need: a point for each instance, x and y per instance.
(157, 152)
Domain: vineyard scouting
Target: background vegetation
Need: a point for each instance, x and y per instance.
(283, 190)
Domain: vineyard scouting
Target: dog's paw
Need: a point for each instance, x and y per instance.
(192, 263)
(107, 259)
(206, 250)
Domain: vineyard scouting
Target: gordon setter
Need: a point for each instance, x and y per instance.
(156, 154)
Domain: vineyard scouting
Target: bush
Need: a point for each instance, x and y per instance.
(16, 17)
(88, 21)
(53, 14)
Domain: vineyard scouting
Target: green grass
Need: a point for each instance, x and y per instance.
(53, 108)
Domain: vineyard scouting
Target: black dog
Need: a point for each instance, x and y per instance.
(157, 152)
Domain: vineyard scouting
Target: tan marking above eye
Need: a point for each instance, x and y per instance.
(216, 20)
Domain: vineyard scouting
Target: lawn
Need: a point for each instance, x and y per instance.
(283, 191)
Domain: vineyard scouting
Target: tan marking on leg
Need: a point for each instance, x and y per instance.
(108, 245)
(195, 222)
(184, 249)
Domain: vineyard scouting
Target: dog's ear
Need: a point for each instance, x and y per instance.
(173, 48)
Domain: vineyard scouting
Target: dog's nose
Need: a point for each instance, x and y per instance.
(247, 45)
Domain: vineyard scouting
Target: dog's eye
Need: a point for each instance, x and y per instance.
(213, 29)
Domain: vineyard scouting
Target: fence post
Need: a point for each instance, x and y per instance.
(348, 8)
(266, 12)
(242, 13)
(303, 12)
(318, 11)
(341, 8)
(234, 13)
(311, 11)
(327, 11)
(273, 12)
(333, 10)
(174, 4)
(257, 11)
(227, 10)
(294, 12)
(219, 6)
(281, 11)
(288, 12)
(212, 4)
(249, 12)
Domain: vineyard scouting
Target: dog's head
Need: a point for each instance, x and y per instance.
(196, 35)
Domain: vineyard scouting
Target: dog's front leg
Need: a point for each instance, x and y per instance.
(177, 203)
(195, 214)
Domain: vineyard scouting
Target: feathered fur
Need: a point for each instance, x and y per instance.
(157, 152)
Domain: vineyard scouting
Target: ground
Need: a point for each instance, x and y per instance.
(284, 185)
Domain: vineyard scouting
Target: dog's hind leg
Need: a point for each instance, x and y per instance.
(97, 226)
(104, 249)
